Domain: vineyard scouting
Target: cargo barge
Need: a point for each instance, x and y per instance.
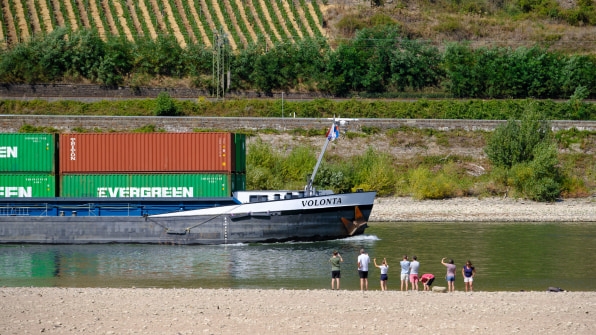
(165, 200)
(294, 217)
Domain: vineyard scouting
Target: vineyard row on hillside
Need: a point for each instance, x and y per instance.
(191, 21)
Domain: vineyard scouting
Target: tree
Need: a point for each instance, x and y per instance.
(117, 62)
(527, 151)
(514, 141)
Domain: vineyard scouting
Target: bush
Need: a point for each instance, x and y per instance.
(165, 105)
(539, 179)
(426, 184)
(528, 149)
(374, 171)
(514, 142)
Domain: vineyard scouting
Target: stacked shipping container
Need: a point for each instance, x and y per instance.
(27, 165)
(122, 165)
(117, 165)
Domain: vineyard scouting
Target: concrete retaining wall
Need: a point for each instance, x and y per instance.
(12, 123)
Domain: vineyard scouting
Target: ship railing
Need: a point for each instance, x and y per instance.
(14, 211)
(92, 207)
(45, 209)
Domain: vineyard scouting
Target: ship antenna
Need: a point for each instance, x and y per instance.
(332, 134)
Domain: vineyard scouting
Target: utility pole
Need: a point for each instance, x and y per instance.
(221, 64)
(282, 111)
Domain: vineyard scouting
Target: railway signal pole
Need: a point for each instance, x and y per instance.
(221, 64)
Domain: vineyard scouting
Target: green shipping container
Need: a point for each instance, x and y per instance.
(146, 185)
(21, 153)
(239, 141)
(239, 182)
(27, 185)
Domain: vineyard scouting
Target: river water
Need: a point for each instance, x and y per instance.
(507, 257)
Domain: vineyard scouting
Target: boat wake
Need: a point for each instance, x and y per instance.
(360, 238)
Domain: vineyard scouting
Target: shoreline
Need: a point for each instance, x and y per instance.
(233, 311)
(85, 310)
(469, 209)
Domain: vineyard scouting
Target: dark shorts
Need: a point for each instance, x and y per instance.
(363, 274)
(335, 274)
(384, 277)
(430, 282)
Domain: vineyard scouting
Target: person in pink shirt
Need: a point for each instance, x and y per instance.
(427, 280)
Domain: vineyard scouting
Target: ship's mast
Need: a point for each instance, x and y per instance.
(308, 189)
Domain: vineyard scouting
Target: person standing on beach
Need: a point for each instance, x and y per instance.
(468, 272)
(405, 272)
(335, 261)
(450, 274)
(363, 261)
(384, 269)
(414, 266)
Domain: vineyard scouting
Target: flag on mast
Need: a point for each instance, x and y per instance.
(333, 132)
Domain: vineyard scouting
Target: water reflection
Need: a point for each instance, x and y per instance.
(507, 256)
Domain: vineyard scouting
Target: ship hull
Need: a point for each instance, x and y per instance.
(303, 219)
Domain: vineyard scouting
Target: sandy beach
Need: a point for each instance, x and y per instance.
(197, 311)
(26, 310)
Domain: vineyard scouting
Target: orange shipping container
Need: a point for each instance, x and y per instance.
(150, 152)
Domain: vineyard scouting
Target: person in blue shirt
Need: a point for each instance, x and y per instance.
(468, 272)
(405, 272)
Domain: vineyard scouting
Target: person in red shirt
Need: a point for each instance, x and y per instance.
(427, 280)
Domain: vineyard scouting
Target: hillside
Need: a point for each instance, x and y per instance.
(239, 22)
(564, 25)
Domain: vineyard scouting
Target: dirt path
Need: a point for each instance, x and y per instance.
(248, 25)
(235, 22)
(252, 9)
(84, 15)
(187, 24)
(104, 6)
(97, 19)
(122, 20)
(10, 27)
(135, 19)
(172, 21)
(224, 25)
(208, 17)
(313, 13)
(280, 18)
(71, 16)
(33, 16)
(58, 13)
(21, 21)
(45, 14)
(146, 17)
(158, 16)
(294, 21)
(269, 20)
(195, 15)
